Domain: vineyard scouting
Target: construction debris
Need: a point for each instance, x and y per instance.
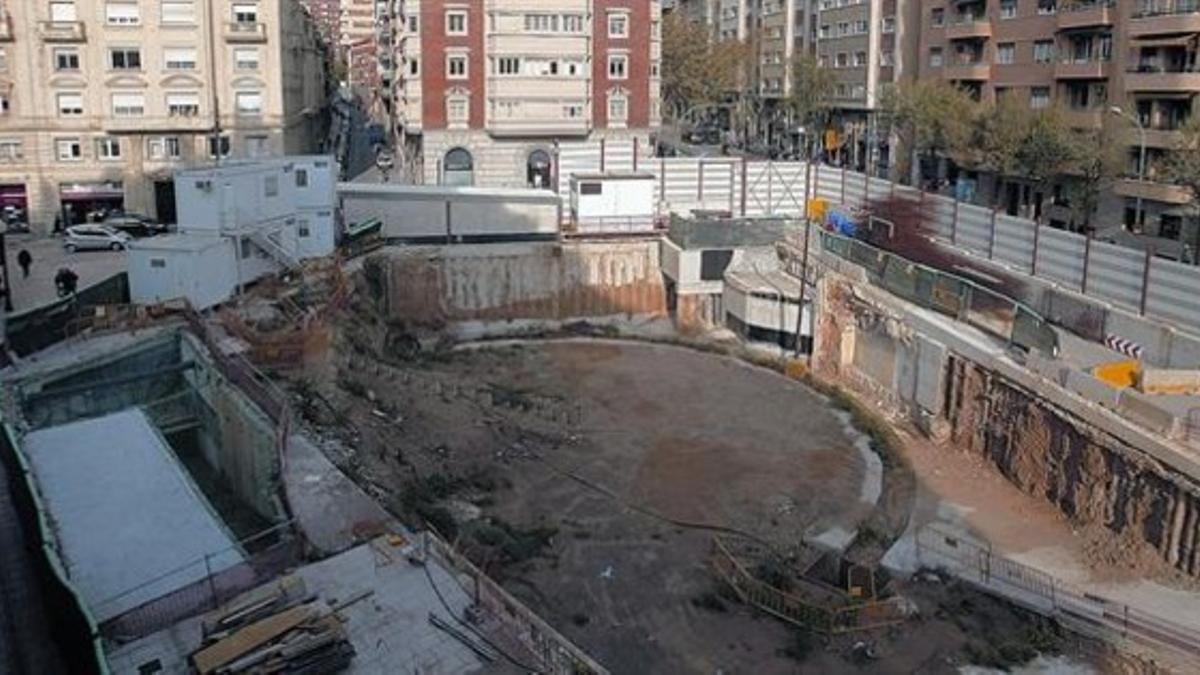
(280, 628)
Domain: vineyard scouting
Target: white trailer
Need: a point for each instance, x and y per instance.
(203, 269)
(613, 203)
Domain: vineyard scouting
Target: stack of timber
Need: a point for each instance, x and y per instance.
(278, 628)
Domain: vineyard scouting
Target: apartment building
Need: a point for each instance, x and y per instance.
(490, 87)
(102, 100)
(327, 17)
(868, 45)
(1092, 58)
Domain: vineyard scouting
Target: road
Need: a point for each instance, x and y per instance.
(48, 257)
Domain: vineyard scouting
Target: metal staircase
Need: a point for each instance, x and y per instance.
(268, 241)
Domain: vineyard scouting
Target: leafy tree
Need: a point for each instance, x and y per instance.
(812, 93)
(695, 69)
(1097, 161)
(930, 116)
(1181, 166)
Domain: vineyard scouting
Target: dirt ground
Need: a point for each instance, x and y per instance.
(590, 478)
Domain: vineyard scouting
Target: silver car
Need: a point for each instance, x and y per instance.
(94, 238)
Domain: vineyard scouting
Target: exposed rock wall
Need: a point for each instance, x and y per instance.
(435, 286)
(1093, 478)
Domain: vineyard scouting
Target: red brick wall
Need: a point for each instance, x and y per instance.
(638, 46)
(434, 43)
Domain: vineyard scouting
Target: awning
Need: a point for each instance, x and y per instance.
(79, 192)
(12, 195)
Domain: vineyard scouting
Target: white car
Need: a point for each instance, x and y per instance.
(94, 238)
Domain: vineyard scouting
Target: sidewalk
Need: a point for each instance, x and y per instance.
(48, 256)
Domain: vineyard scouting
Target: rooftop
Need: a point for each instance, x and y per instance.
(130, 522)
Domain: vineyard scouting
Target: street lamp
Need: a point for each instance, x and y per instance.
(1120, 112)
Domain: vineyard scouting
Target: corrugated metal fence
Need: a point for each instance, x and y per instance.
(1131, 278)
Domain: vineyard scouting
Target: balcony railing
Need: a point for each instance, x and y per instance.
(1166, 8)
(62, 31)
(969, 27)
(1165, 18)
(1086, 68)
(1084, 14)
(245, 31)
(1152, 78)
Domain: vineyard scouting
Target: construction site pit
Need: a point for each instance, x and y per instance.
(597, 479)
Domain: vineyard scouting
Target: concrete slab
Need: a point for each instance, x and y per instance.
(131, 525)
(330, 509)
(390, 630)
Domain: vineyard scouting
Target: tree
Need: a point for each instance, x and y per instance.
(812, 94)
(930, 116)
(1181, 166)
(1098, 160)
(695, 69)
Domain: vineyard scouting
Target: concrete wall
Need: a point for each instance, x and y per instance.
(438, 285)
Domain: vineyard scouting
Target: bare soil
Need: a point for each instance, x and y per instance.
(590, 478)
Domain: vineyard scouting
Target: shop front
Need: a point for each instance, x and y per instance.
(14, 207)
(89, 202)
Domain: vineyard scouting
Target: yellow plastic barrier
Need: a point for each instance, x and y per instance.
(817, 207)
(1118, 374)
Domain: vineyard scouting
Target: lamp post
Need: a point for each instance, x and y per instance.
(1120, 112)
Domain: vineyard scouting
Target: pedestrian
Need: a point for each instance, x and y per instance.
(24, 259)
(65, 281)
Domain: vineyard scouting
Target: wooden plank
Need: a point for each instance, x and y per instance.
(213, 657)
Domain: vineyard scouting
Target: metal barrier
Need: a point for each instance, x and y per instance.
(974, 562)
(556, 653)
(948, 294)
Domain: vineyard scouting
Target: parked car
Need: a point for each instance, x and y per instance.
(94, 238)
(133, 224)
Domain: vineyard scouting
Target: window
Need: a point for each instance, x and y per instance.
(159, 263)
(122, 13)
(183, 105)
(179, 12)
(618, 66)
(125, 58)
(1039, 97)
(938, 17)
(414, 67)
(414, 24)
(179, 58)
(573, 23)
(887, 59)
(1043, 51)
(935, 57)
(222, 143)
(541, 23)
(66, 58)
(11, 150)
(618, 25)
(128, 104)
(70, 104)
(248, 102)
(301, 178)
(860, 59)
(271, 186)
(1008, 9)
(508, 65)
(1047, 7)
(163, 147)
(108, 148)
(456, 66)
(889, 25)
(62, 11)
(245, 12)
(573, 111)
(456, 22)
(68, 149)
(457, 109)
(1005, 52)
(618, 108)
(245, 58)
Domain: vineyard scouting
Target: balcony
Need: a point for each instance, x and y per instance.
(161, 124)
(971, 70)
(1158, 138)
(1087, 14)
(1167, 18)
(1091, 69)
(1151, 191)
(515, 127)
(62, 31)
(1146, 80)
(969, 29)
(245, 31)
